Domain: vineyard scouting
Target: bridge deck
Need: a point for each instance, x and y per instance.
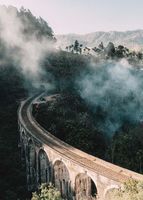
(92, 163)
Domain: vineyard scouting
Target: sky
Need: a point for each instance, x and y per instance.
(85, 16)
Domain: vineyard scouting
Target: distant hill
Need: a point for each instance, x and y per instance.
(130, 39)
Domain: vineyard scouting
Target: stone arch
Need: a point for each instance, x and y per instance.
(85, 188)
(23, 144)
(31, 157)
(22, 136)
(110, 191)
(43, 167)
(19, 126)
(62, 179)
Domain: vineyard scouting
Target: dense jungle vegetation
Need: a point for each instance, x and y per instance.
(14, 87)
(69, 117)
(73, 120)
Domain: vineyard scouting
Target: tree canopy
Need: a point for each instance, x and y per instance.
(47, 192)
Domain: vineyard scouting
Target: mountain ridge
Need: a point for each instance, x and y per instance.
(132, 39)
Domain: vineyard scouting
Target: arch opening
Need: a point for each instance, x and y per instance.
(85, 188)
(62, 179)
(31, 163)
(22, 146)
(43, 167)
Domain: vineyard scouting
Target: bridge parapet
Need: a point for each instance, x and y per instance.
(76, 174)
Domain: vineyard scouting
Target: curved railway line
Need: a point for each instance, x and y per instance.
(67, 152)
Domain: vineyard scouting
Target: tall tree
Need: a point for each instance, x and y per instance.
(76, 46)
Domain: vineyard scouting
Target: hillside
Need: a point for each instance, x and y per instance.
(130, 39)
(22, 29)
(100, 101)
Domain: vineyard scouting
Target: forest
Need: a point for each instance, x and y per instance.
(14, 87)
(103, 121)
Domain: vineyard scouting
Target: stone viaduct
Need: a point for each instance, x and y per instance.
(78, 175)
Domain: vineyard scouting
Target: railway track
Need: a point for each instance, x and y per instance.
(78, 157)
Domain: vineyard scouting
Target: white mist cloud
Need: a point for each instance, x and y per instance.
(24, 51)
(117, 90)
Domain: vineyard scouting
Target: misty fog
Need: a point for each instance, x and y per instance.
(22, 49)
(116, 88)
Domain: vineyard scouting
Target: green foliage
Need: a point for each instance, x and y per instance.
(110, 49)
(132, 190)
(127, 148)
(47, 192)
(65, 68)
(12, 91)
(70, 120)
(12, 174)
(75, 48)
(34, 26)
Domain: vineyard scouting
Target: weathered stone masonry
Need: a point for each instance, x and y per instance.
(76, 174)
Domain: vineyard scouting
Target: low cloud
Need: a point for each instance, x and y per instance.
(114, 90)
(24, 50)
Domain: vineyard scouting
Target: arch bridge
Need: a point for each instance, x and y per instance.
(77, 175)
